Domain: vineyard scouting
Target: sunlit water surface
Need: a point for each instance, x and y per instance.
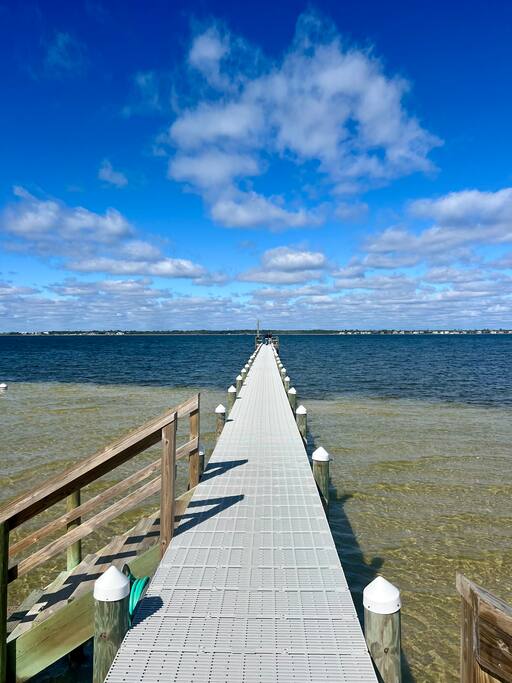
(421, 488)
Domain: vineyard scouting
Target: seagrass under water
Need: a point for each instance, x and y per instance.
(251, 587)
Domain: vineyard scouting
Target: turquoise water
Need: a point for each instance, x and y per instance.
(419, 429)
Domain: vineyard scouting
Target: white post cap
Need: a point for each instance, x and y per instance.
(286, 379)
(239, 377)
(244, 372)
(112, 585)
(246, 366)
(220, 408)
(3, 386)
(381, 597)
(232, 389)
(293, 390)
(283, 371)
(301, 410)
(320, 455)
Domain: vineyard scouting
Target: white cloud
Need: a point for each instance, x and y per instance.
(285, 266)
(84, 241)
(250, 210)
(212, 169)
(109, 175)
(165, 267)
(462, 220)
(323, 105)
(51, 227)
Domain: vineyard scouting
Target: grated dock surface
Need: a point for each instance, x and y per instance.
(251, 587)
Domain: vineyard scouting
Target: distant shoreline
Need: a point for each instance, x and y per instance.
(207, 333)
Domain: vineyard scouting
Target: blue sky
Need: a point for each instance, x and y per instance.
(204, 164)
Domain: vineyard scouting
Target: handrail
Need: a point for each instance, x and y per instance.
(102, 462)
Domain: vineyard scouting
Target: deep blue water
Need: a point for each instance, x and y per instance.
(469, 369)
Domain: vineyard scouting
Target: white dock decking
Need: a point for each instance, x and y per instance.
(251, 587)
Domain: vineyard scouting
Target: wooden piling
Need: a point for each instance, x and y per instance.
(74, 552)
(220, 413)
(283, 374)
(382, 605)
(321, 459)
(111, 619)
(286, 383)
(4, 582)
(239, 382)
(168, 484)
(231, 397)
(301, 415)
(244, 375)
(292, 398)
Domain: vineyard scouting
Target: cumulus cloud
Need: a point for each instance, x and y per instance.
(84, 241)
(323, 105)
(461, 221)
(285, 265)
(109, 175)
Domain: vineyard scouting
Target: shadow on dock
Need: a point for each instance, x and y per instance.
(359, 573)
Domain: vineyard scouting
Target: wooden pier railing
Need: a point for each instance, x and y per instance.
(68, 485)
(486, 635)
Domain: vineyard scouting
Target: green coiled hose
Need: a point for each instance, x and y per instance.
(137, 587)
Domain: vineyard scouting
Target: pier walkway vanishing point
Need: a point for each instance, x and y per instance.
(251, 587)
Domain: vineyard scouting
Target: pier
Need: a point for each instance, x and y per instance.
(251, 587)
(238, 579)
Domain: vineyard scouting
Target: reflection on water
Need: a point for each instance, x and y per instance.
(422, 490)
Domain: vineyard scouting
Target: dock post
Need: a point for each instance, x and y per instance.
(231, 398)
(4, 582)
(321, 474)
(283, 374)
(194, 469)
(239, 380)
(111, 619)
(244, 375)
(74, 552)
(382, 605)
(201, 453)
(292, 398)
(168, 485)
(301, 415)
(220, 412)
(286, 383)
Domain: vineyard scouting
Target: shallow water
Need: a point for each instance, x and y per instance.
(421, 488)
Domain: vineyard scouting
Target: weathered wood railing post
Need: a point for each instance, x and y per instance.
(231, 397)
(111, 619)
(74, 552)
(301, 415)
(168, 483)
(239, 381)
(194, 469)
(321, 459)
(486, 635)
(4, 582)
(283, 374)
(382, 605)
(286, 383)
(292, 398)
(220, 413)
(244, 375)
